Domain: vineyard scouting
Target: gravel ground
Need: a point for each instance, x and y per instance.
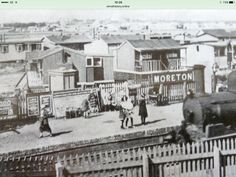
(103, 125)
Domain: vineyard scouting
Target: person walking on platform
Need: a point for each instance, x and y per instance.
(143, 109)
(44, 125)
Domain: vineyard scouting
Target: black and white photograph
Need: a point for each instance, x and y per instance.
(118, 93)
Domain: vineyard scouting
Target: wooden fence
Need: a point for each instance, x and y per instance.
(41, 162)
(174, 92)
(207, 159)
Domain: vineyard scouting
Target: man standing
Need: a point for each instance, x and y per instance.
(143, 109)
(44, 125)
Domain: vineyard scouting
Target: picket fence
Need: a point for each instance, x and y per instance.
(207, 159)
(41, 163)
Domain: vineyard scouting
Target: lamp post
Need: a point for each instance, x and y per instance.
(215, 67)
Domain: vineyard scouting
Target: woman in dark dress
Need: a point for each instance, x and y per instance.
(143, 109)
(44, 125)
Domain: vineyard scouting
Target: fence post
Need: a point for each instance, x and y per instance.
(59, 170)
(145, 165)
(184, 90)
(217, 162)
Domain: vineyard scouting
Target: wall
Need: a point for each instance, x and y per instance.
(125, 57)
(67, 99)
(108, 68)
(57, 82)
(12, 54)
(97, 47)
(205, 57)
(51, 62)
(75, 46)
(79, 62)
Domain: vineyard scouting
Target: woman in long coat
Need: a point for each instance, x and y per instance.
(44, 125)
(143, 109)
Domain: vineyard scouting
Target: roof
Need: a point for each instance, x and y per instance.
(62, 70)
(67, 39)
(9, 81)
(155, 44)
(219, 33)
(42, 53)
(219, 43)
(20, 40)
(118, 39)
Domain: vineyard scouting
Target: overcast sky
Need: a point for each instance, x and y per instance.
(54, 15)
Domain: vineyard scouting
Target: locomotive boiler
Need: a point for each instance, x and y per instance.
(212, 108)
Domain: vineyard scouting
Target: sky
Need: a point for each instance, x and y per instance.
(54, 15)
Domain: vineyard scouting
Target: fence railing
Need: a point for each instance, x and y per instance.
(44, 159)
(201, 158)
(174, 92)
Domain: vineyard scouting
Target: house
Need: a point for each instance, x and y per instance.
(15, 49)
(200, 53)
(158, 63)
(108, 43)
(213, 35)
(75, 42)
(221, 54)
(88, 67)
(150, 55)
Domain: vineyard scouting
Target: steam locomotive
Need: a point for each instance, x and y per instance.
(212, 108)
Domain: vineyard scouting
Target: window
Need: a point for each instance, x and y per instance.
(5, 49)
(97, 62)
(89, 62)
(137, 55)
(220, 51)
(19, 47)
(66, 58)
(38, 46)
(25, 47)
(197, 48)
(94, 62)
(147, 55)
(33, 47)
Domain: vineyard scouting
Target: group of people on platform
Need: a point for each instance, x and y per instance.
(126, 111)
(90, 105)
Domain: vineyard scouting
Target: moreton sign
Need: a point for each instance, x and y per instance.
(173, 77)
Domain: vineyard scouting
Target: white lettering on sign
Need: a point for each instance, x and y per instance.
(175, 77)
(5, 103)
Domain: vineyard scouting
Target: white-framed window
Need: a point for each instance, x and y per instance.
(19, 47)
(89, 62)
(4, 48)
(146, 55)
(97, 61)
(94, 62)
